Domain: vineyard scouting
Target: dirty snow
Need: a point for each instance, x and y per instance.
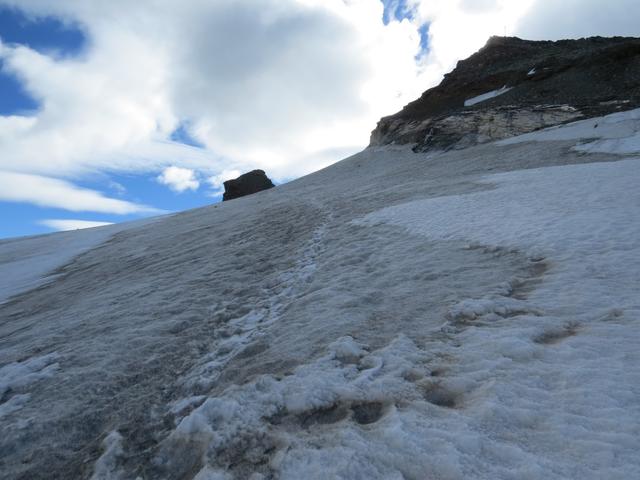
(396, 315)
(583, 219)
(106, 467)
(29, 262)
(16, 377)
(541, 387)
(486, 96)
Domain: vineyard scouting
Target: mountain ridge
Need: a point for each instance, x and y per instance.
(529, 85)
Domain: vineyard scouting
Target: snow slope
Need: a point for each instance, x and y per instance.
(469, 314)
(580, 399)
(27, 263)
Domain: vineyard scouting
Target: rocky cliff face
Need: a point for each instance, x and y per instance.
(513, 86)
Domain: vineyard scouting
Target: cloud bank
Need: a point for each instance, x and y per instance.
(264, 83)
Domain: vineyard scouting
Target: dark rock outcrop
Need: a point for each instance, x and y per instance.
(538, 84)
(246, 184)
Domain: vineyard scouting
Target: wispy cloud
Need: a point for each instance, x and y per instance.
(118, 188)
(52, 192)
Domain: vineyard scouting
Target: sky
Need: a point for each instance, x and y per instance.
(113, 111)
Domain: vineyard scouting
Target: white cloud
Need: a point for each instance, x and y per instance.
(52, 192)
(179, 179)
(264, 84)
(109, 110)
(64, 225)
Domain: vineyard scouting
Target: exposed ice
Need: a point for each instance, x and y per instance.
(13, 404)
(486, 96)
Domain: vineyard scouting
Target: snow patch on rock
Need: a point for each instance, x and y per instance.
(486, 96)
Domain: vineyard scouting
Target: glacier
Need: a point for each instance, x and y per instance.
(398, 315)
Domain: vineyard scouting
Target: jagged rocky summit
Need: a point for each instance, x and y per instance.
(513, 86)
(246, 184)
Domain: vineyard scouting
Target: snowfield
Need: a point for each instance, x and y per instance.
(469, 314)
(27, 263)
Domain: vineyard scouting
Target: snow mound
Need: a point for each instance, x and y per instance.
(106, 467)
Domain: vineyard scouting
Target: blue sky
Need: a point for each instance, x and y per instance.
(111, 111)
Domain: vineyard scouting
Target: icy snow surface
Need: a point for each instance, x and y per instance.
(543, 387)
(468, 314)
(583, 219)
(15, 377)
(26, 263)
(486, 96)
